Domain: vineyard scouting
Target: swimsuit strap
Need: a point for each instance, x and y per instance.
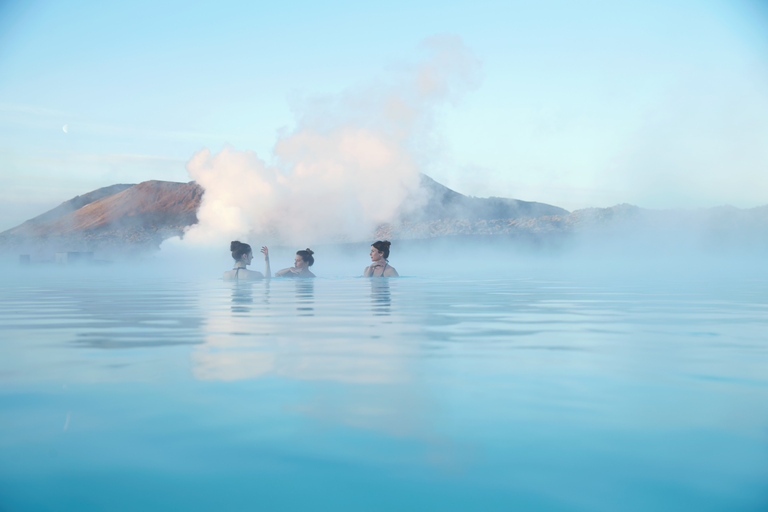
(384, 269)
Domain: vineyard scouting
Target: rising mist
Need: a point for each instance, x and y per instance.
(351, 164)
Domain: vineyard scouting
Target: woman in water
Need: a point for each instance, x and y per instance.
(380, 266)
(242, 255)
(301, 263)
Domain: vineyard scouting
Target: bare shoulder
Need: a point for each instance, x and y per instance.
(253, 274)
(367, 271)
(391, 272)
(234, 275)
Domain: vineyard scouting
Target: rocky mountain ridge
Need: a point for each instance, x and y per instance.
(131, 217)
(139, 217)
(723, 223)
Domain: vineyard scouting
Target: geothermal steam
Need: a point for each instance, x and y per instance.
(349, 166)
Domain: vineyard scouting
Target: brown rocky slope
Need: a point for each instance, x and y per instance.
(139, 217)
(133, 217)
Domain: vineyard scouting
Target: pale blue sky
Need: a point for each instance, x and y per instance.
(656, 103)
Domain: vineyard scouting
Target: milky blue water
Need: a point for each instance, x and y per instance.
(500, 393)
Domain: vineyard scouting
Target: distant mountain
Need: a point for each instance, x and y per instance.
(444, 203)
(139, 217)
(132, 217)
(68, 207)
(723, 228)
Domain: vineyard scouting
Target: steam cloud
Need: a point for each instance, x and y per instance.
(350, 165)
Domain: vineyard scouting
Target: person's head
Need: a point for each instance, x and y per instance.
(380, 250)
(304, 259)
(241, 252)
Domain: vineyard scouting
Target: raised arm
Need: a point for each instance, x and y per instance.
(265, 252)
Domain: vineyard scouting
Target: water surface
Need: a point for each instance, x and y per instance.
(517, 392)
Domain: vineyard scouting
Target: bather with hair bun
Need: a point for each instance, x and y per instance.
(301, 263)
(243, 255)
(380, 266)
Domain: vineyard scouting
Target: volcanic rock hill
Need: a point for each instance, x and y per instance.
(446, 204)
(722, 228)
(139, 217)
(133, 217)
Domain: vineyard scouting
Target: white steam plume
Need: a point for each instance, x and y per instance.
(349, 166)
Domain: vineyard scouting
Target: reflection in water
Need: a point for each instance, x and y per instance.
(242, 295)
(283, 341)
(265, 298)
(107, 318)
(380, 297)
(126, 316)
(353, 357)
(305, 297)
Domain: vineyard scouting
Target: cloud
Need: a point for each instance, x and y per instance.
(351, 163)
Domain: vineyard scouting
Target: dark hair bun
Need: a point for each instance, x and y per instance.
(239, 249)
(306, 255)
(383, 247)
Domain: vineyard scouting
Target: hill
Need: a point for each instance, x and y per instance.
(446, 204)
(131, 217)
(139, 217)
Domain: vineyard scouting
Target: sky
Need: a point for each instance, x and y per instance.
(573, 103)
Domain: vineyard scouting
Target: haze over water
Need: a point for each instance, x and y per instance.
(608, 365)
(570, 386)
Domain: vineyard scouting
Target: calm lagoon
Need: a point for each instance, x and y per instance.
(514, 393)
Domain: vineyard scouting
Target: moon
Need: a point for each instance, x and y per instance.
(64, 129)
